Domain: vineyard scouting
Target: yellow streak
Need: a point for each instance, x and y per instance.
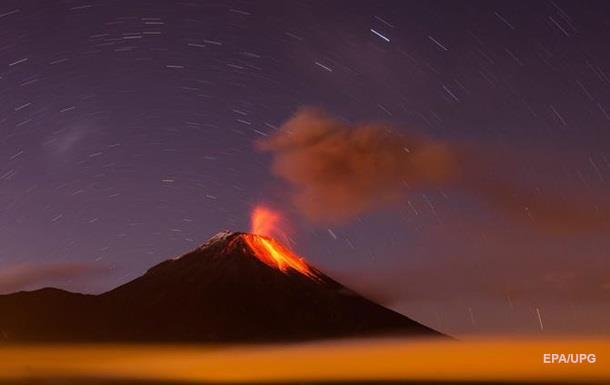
(385, 359)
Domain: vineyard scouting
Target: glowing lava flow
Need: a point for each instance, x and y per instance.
(270, 251)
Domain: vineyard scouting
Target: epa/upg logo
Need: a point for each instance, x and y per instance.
(570, 358)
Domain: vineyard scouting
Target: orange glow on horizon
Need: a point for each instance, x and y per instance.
(503, 360)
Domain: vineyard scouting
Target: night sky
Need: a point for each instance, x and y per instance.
(128, 131)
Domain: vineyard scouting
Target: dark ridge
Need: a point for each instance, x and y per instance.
(219, 292)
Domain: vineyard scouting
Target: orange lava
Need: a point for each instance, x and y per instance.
(265, 222)
(277, 255)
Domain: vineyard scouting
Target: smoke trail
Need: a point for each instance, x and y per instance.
(339, 170)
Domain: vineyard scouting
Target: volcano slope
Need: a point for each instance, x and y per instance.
(236, 287)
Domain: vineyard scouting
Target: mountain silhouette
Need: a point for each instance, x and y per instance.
(237, 287)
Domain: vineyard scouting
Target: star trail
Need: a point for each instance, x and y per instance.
(128, 134)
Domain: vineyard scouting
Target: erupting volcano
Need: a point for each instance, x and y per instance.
(240, 287)
(270, 251)
(277, 255)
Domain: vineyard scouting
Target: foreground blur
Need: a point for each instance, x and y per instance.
(347, 360)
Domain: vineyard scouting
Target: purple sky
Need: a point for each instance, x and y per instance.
(127, 131)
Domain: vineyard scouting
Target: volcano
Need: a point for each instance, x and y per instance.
(236, 287)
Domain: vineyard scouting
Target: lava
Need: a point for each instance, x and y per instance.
(264, 222)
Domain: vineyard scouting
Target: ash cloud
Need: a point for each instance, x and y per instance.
(339, 170)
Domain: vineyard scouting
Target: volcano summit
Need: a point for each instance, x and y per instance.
(236, 287)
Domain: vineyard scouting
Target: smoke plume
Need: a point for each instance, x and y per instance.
(339, 170)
